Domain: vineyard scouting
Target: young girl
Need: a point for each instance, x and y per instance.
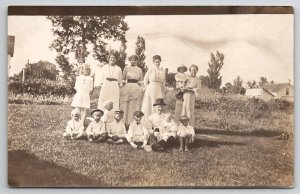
(96, 131)
(181, 80)
(186, 133)
(109, 115)
(74, 129)
(83, 87)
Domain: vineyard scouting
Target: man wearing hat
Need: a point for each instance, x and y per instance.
(154, 125)
(116, 130)
(137, 132)
(186, 133)
(96, 129)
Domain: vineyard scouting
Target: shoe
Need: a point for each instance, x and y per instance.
(90, 140)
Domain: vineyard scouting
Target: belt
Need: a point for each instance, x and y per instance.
(111, 79)
(132, 81)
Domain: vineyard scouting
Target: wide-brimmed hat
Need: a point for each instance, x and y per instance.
(159, 101)
(138, 113)
(97, 110)
(182, 66)
(184, 117)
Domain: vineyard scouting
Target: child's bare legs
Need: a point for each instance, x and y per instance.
(187, 142)
(181, 140)
(100, 137)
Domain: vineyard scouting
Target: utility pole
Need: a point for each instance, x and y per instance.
(23, 76)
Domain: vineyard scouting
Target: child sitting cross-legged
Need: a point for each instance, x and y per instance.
(116, 130)
(75, 128)
(186, 133)
(137, 132)
(96, 129)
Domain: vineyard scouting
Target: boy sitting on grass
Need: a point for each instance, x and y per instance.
(117, 131)
(75, 128)
(186, 133)
(168, 131)
(96, 130)
(137, 132)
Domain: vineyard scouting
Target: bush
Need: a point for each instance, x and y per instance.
(41, 99)
(41, 88)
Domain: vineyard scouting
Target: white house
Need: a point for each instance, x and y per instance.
(267, 92)
(259, 93)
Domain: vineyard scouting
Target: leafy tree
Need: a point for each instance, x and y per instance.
(84, 34)
(252, 84)
(139, 51)
(66, 68)
(215, 65)
(263, 81)
(236, 87)
(272, 82)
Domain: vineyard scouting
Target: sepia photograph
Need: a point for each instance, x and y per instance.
(151, 97)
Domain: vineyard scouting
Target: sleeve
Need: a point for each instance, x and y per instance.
(130, 131)
(119, 75)
(146, 133)
(146, 78)
(69, 128)
(192, 132)
(101, 75)
(124, 74)
(105, 117)
(89, 129)
(77, 83)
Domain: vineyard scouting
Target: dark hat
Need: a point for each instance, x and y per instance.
(138, 114)
(182, 66)
(97, 110)
(157, 57)
(159, 101)
(119, 111)
(184, 117)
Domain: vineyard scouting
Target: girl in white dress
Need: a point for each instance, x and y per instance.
(110, 81)
(83, 87)
(154, 83)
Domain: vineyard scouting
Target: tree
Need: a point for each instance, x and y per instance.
(252, 84)
(263, 81)
(139, 51)
(215, 65)
(78, 34)
(66, 68)
(238, 86)
(170, 80)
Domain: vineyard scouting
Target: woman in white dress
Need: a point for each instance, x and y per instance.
(110, 81)
(131, 92)
(154, 84)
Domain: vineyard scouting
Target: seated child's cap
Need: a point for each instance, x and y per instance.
(108, 102)
(75, 112)
(182, 66)
(184, 117)
(159, 101)
(97, 110)
(138, 114)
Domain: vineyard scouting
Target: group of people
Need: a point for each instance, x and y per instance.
(119, 117)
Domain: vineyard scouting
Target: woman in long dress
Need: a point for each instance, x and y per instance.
(110, 81)
(154, 83)
(187, 107)
(131, 92)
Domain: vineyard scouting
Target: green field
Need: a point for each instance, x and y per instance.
(39, 156)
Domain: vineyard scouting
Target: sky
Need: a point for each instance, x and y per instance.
(253, 45)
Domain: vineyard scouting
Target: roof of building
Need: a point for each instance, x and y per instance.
(11, 45)
(276, 87)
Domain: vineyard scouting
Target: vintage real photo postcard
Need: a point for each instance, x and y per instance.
(144, 96)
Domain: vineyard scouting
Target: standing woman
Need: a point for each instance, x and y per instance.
(187, 107)
(154, 85)
(110, 81)
(131, 92)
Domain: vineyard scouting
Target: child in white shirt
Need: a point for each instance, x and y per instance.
(75, 128)
(117, 131)
(137, 132)
(96, 130)
(109, 115)
(168, 130)
(186, 133)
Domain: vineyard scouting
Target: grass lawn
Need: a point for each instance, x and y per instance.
(218, 158)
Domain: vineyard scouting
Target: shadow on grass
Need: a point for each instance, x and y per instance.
(25, 170)
(256, 133)
(214, 143)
